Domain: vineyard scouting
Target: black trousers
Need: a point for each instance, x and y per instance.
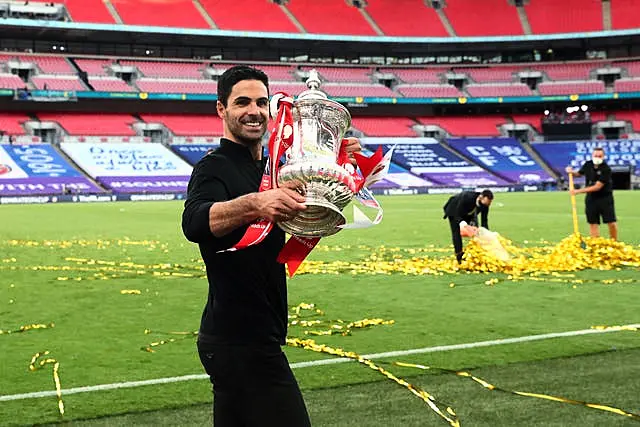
(457, 238)
(253, 385)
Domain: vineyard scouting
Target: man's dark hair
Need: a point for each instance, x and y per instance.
(488, 194)
(233, 75)
(599, 149)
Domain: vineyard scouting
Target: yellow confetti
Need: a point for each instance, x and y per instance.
(37, 362)
(130, 292)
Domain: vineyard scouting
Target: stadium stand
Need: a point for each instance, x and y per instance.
(94, 67)
(470, 18)
(187, 125)
(631, 116)
(552, 16)
(498, 89)
(632, 67)
(567, 71)
(11, 81)
(490, 74)
(406, 18)
(57, 82)
(569, 87)
(92, 124)
(88, 11)
(428, 91)
(417, 75)
(624, 14)
(49, 64)
(163, 69)
(11, 123)
(174, 13)
(467, 125)
(627, 85)
(527, 119)
(231, 15)
(173, 85)
(110, 84)
(330, 17)
(357, 89)
(343, 74)
(384, 126)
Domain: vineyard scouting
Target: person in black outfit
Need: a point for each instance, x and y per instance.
(466, 206)
(244, 323)
(599, 193)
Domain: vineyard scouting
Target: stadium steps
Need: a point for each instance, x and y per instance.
(524, 21)
(606, 16)
(112, 10)
(371, 22)
(446, 23)
(292, 18)
(205, 15)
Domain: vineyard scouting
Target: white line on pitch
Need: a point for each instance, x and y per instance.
(130, 384)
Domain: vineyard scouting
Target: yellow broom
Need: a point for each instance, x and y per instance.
(574, 212)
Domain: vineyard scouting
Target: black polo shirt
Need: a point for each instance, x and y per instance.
(247, 300)
(594, 174)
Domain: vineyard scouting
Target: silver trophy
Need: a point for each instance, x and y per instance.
(311, 163)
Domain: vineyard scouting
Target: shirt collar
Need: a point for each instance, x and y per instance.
(236, 150)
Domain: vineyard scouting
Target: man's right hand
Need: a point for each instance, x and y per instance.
(280, 204)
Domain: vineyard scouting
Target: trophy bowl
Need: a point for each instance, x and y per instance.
(311, 163)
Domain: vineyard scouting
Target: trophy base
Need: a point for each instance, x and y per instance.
(320, 219)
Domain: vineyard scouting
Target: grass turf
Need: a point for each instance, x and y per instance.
(99, 332)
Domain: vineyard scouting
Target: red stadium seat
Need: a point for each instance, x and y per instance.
(188, 125)
(467, 125)
(624, 14)
(499, 89)
(566, 16)
(570, 88)
(384, 126)
(330, 17)
(483, 18)
(406, 18)
(174, 13)
(232, 15)
(11, 123)
(92, 123)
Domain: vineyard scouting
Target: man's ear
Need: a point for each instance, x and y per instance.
(220, 108)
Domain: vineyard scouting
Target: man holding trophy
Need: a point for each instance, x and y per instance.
(235, 196)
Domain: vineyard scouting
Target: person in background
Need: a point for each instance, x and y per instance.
(462, 210)
(598, 188)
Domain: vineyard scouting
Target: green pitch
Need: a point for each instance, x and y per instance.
(69, 263)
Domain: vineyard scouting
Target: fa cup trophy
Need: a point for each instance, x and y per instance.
(319, 125)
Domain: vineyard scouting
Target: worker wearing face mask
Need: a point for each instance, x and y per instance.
(599, 193)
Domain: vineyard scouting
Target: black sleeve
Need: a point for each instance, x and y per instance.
(605, 176)
(205, 188)
(583, 169)
(484, 216)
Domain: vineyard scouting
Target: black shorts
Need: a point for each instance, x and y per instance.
(600, 207)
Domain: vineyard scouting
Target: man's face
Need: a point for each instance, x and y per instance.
(597, 154)
(247, 112)
(484, 200)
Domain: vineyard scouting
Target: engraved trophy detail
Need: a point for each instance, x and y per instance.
(312, 163)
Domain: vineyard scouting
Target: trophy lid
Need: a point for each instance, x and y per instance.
(313, 83)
